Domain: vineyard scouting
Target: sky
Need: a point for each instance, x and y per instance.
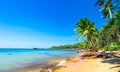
(43, 23)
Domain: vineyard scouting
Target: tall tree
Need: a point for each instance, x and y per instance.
(110, 32)
(86, 28)
(107, 7)
(115, 28)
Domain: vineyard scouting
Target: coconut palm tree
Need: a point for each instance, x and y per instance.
(107, 7)
(86, 44)
(86, 28)
(110, 32)
(115, 28)
(105, 36)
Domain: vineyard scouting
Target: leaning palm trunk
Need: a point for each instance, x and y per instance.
(93, 46)
(118, 37)
(110, 13)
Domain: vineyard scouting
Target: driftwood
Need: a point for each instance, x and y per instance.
(108, 54)
(102, 54)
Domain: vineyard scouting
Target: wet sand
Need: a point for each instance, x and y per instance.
(38, 67)
(76, 64)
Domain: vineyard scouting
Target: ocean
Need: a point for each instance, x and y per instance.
(12, 58)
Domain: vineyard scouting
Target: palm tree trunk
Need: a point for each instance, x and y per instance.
(110, 13)
(93, 46)
(118, 37)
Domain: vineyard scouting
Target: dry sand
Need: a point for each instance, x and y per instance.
(89, 65)
(78, 64)
(84, 65)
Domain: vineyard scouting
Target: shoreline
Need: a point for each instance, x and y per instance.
(20, 58)
(75, 64)
(39, 66)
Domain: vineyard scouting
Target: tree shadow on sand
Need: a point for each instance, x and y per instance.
(115, 67)
(113, 61)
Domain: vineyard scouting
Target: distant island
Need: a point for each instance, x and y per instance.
(36, 48)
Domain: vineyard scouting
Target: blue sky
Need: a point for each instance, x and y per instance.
(43, 23)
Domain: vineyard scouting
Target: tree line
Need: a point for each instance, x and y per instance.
(108, 37)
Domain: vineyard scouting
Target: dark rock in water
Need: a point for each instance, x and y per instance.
(78, 51)
(36, 48)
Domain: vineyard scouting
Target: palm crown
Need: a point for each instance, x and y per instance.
(86, 28)
(107, 7)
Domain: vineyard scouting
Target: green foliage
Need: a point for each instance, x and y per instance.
(87, 28)
(81, 45)
(69, 46)
(112, 47)
(108, 7)
(107, 37)
(110, 32)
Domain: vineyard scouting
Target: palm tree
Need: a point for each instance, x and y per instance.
(105, 36)
(107, 7)
(86, 28)
(86, 44)
(116, 24)
(110, 32)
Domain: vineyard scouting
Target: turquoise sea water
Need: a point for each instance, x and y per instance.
(15, 58)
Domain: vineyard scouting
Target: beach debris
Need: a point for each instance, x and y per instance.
(101, 54)
(108, 54)
(49, 65)
(78, 51)
(49, 70)
(87, 54)
(52, 67)
(61, 62)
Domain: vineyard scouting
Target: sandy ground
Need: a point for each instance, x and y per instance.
(78, 64)
(89, 65)
(84, 65)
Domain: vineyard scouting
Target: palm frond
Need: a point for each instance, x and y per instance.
(82, 34)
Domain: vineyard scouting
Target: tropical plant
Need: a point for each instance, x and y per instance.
(109, 35)
(86, 28)
(115, 28)
(108, 6)
(110, 32)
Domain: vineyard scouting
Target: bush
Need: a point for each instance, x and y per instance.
(112, 47)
